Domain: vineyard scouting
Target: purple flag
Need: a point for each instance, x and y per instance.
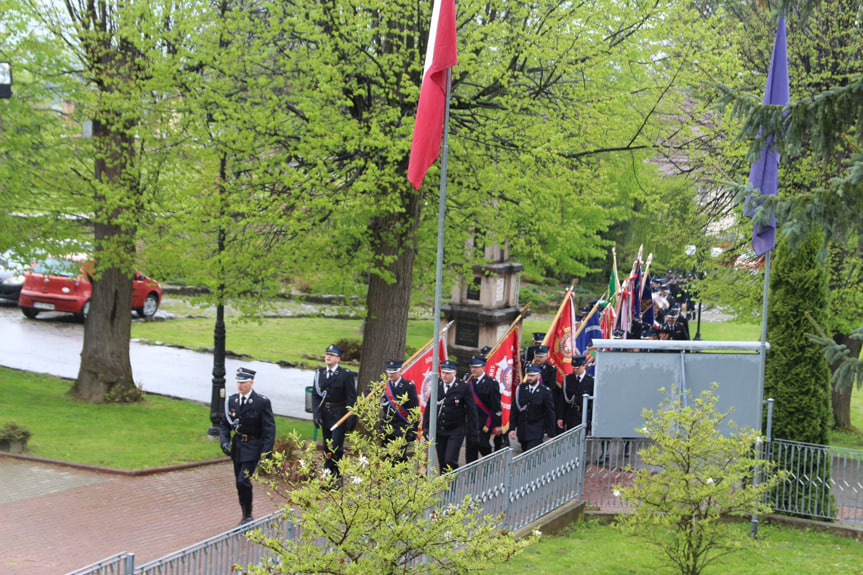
(764, 174)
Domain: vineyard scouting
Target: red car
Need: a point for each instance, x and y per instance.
(63, 284)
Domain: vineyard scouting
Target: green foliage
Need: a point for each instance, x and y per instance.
(696, 477)
(382, 516)
(13, 431)
(796, 376)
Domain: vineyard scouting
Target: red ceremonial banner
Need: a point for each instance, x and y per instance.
(560, 339)
(503, 365)
(420, 372)
(441, 54)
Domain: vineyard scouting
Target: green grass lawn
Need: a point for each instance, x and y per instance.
(594, 547)
(159, 431)
(271, 339)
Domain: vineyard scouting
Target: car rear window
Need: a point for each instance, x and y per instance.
(57, 267)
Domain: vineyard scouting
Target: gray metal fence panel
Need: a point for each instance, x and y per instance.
(825, 482)
(122, 563)
(611, 463)
(545, 478)
(218, 555)
(485, 480)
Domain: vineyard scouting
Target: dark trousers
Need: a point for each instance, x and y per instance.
(243, 471)
(474, 451)
(334, 441)
(501, 441)
(448, 448)
(529, 444)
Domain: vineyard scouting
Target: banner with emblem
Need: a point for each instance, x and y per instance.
(560, 338)
(503, 365)
(419, 370)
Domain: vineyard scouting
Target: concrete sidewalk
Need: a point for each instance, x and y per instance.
(55, 519)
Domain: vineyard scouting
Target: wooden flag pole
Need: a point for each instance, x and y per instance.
(644, 277)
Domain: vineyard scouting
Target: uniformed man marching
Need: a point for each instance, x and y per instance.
(334, 391)
(486, 394)
(548, 373)
(527, 355)
(400, 397)
(250, 416)
(678, 324)
(570, 401)
(456, 416)
(532, 414)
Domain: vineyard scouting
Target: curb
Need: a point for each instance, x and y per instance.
(112, 470)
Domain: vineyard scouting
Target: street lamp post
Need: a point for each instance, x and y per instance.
(217, 398)
(5, 80)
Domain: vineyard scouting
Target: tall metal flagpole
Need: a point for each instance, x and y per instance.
(432, 403)
(762, 369)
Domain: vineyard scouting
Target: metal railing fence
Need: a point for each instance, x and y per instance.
(545, 478)
(485, 480)
(518, 489)
(120, 564)
(218, 555)
(610, 463)
(824, 482)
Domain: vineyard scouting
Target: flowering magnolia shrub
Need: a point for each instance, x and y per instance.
(697, 476)
(382, 515)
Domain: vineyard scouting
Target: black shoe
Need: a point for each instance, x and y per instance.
(247, 515)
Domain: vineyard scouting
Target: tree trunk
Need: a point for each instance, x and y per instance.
(840, 398)
(105, 373)
(389, 296)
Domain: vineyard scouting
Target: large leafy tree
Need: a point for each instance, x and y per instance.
(100, 62)
(548, 103)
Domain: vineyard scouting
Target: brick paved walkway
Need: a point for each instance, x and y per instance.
(54, 519)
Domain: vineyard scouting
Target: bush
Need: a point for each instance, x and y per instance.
(352, 349)
(14, 432)
(696, 479)
(382, 516)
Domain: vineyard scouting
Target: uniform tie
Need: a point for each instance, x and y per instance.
(243, 401)
(329, 373)
(446, 388)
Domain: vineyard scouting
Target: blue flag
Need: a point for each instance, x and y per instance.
(764, 174)
(592, 330)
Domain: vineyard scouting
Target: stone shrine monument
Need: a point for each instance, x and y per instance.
(483, 306)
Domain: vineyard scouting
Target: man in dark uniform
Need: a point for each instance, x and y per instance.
(532, 414)
(486, 395)
(333, 393)
(548, 373)
(456, 416)
(250, 416)
(400, 397)
(678, 324)
(527, 356)
(570, 400)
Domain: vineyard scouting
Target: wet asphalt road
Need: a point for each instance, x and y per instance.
(51, 343)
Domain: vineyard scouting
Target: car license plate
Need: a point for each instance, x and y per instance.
(43, 305)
